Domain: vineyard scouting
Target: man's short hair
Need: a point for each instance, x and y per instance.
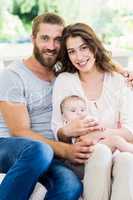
(49, 18)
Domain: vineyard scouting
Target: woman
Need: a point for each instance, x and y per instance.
(90, 73)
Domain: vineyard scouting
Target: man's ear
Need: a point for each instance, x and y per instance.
(33, 38)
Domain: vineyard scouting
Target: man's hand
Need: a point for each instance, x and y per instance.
(80, 127)
(129, 77)
(80, 152)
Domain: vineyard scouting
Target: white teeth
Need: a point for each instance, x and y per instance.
(49, 54)
(82, 63)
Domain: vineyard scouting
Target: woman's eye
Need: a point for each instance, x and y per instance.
(84, 47)
(70, 52)
(73, 110)
(82, 110)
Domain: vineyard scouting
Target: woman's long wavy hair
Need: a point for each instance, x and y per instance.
(102, 56)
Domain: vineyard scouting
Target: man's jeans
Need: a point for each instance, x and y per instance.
(61, 183)
(25, 161)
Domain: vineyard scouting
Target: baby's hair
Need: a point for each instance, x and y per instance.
(74, 97)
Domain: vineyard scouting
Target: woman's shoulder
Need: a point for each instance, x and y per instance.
(116, 79)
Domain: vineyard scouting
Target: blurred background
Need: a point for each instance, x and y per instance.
(111, 19)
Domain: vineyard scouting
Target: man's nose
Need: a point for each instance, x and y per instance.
(51, 45)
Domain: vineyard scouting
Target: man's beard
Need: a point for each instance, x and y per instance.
(47, 62)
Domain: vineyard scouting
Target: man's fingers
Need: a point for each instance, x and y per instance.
(125, 74)
(130, 83)
(86, 149)
(84, 156)
(82, 160)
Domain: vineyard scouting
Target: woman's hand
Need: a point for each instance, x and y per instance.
(80, 127)
(110, 141)
(117, 142)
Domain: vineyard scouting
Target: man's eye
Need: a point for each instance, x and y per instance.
(44, 38)
(58, 39)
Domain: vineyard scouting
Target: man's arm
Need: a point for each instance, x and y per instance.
(126, 73)
(120, 69)
(18, 121)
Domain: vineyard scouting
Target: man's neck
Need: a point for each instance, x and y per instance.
(39, 70)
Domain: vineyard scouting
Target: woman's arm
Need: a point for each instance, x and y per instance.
(78, 127)
(122, 132)
(117, 142)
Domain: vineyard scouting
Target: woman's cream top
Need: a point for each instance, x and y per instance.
(114, 104)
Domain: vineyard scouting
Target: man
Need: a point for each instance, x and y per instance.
(25, 104)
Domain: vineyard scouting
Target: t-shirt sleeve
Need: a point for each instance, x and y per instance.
(11, 87)
(126, 108)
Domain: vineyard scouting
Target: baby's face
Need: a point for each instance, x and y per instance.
(74, 109)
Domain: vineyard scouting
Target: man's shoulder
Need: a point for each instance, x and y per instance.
(13, 74)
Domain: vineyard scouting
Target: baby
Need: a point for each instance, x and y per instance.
(74, 107)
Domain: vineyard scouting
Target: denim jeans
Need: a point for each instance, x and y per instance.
(25, 161)
(61, 182)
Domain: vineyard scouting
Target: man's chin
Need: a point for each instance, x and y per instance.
(49, 66)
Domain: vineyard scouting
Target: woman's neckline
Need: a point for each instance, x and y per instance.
(93, 100)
